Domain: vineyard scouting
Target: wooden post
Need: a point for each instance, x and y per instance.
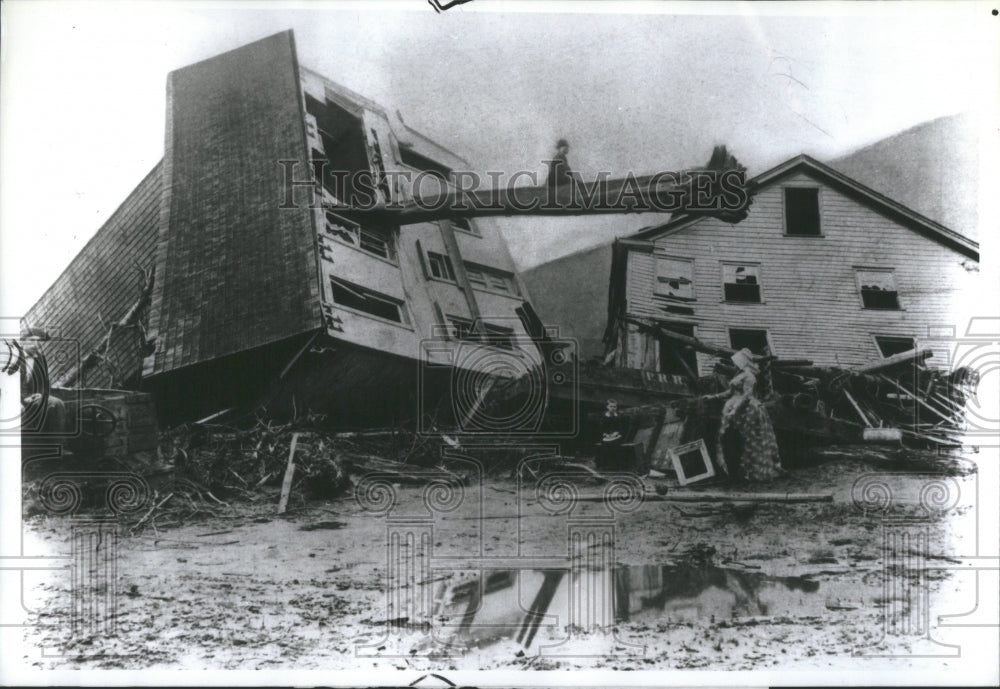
(286, 485)
(857, 409)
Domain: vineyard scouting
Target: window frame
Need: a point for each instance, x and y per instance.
(392, 248)
(858, 270)
(657, 257)
(510, 280)
(878, 346)
(767, 337)
(819, 206)
(757, 274)
(445, 261)
(368, 293)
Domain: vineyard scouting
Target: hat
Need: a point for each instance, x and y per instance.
(744, 360)
(561, 143)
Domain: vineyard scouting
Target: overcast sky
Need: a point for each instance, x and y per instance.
(83, 99)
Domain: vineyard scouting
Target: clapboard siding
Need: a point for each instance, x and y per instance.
(99, 286)
(811, 302)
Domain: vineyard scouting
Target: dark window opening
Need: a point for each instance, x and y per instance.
(878, 289)
(440, 266)
(676, 358)
(802, 211)
(496, 335)
(345, 152)
(741, 283)
(754, 340)
(889, 345)
(499, 336)
(424, 164)
(361, 299)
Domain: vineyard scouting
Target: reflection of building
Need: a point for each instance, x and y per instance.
(252, 281)
(517, 604)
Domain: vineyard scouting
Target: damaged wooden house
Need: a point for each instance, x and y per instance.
(222, 281)
(824, 269)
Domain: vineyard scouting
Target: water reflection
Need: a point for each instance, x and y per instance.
(484, 606)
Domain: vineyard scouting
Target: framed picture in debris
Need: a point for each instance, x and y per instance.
(691, 462)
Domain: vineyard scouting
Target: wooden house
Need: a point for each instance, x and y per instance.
(824, 268)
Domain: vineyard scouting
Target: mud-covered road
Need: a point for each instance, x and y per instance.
(719, 585)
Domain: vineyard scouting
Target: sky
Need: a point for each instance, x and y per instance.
(637, 87)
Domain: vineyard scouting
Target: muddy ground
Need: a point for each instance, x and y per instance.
(734, 586)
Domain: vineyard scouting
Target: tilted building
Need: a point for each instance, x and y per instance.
(224, 277)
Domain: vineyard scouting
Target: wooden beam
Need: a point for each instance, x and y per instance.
(917, 355)
(286, 485)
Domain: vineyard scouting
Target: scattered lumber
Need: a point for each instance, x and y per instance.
(286, 485)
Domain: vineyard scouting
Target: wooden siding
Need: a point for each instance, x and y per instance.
(237, 270)
(99, 286)
(811, 304)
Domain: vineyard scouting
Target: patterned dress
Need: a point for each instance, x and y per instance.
(744, 416)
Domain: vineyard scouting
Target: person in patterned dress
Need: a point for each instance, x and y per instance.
(746, 437)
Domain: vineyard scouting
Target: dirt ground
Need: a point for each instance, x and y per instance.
(765, 585)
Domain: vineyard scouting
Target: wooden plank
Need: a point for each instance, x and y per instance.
(286, 485)
(857, 408)
(715, 496)
(896, 359)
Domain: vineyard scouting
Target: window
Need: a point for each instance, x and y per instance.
(487, 278)
(754, 340)
(676, 358)
(878, 289)
(741, 282)
(460, 328)
(802, 211)
(373, 240)
(889, 345)
(358, 298)
(463, 225)
(674, 278)
(499, 336)
(422, 163)
(440, 266)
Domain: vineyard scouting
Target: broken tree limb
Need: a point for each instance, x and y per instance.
(286, 485)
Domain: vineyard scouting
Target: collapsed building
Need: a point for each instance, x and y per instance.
(224, 278)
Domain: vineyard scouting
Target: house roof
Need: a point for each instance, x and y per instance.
(849, 187)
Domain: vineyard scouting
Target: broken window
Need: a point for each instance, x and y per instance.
(878, 289)
(891, 344)
(674, 278)
(440, 266)
(802, 211)
(487, 278)
(499, 336)
(373, 240)
(754, 340)
(345, 151)
(460, 328)
(676, 358)
(359, 298)
(422, 163)
(741, 282)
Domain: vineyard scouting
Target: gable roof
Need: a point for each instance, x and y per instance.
(849, 187)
